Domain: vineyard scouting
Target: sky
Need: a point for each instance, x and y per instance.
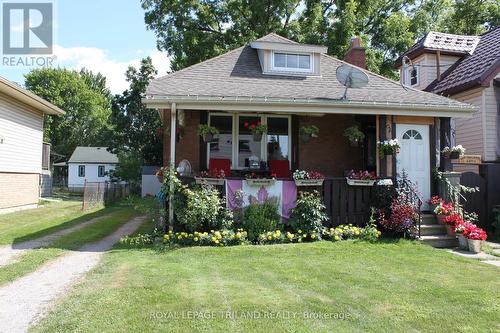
(104, 36)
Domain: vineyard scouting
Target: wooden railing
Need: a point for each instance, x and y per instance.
(347, 204)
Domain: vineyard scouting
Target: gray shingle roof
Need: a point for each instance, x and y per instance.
(238, 74)
(448, 42)
(92, 155)
(473, 69)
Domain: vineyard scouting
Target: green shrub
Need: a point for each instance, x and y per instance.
(203, 210)
(259, 218)
(309, 214)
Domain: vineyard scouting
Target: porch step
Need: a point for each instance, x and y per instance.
(429, 219)
(440, 241)
(432, 230)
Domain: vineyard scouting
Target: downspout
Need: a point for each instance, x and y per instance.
(173, 131)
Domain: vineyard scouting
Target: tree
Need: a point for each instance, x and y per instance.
(87, 109)
(135, 129)
(196, 30)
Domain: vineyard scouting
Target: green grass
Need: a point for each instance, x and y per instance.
(383, 287)
(33, 259)
(48, 218)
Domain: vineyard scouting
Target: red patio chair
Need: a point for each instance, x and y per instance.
(220, 164)
(281, 168)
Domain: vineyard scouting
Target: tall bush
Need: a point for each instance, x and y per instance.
(309, 214)
(259, 218)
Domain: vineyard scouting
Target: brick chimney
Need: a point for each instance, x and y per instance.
(356, 53)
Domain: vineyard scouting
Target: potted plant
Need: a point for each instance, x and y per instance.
(451, 221)
(459, 230)
(453, 152)
(308, 178)
(475, 236)
(257, 129)
(442, 210)
(361, 178)
(388, 147)
(354, 135)
(308, 132)
(207, 132)
(212, 177)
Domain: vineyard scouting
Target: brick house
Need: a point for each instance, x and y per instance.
(287, 86)
(24, 158)
(467, 69)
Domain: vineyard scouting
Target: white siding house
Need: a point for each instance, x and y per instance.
(21, 145)
(89, 164)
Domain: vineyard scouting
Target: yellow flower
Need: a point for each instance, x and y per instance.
(195, 239)
(337, 238)
(217, 234)
(299, 231)
(166, 237)
(313, 236)
(216, 241)
(238, 235)
(170, 232)
(270, 237)
(232, 237)
(356, 232)
(179, 237)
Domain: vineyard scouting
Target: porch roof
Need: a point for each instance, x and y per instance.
(236, 79)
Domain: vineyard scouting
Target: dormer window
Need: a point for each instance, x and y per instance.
(294, 62)
(412, 76)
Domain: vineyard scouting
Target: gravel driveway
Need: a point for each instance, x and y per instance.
(27, 299)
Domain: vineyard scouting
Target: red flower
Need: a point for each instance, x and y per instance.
(453, 220)
(435, 200)
(253, 126)
(475, 232)
(246, 124)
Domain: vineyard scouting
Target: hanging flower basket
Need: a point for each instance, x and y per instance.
(360, 182)
(207, 132)
(308, 132)
(309, 182)
(305, 138)
(454, 152)
(210, 181)
(257, 137)
(261, 181)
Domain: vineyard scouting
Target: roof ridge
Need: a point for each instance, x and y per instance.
(273, 34)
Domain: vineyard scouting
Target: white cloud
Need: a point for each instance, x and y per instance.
(99, 60)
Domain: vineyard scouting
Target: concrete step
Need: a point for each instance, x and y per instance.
(432, 230)
(429, 219)
(440, 241)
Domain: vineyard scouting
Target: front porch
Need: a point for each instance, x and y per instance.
(330, 153)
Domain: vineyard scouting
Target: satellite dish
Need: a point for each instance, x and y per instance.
(184, 168)
(351, 77)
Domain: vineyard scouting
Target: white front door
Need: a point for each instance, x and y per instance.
(414, 158)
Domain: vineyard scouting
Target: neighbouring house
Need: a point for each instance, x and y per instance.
(465, 68)
(24, 157)
(289, 86)
(90, 164)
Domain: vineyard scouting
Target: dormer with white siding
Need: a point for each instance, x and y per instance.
(280, 56)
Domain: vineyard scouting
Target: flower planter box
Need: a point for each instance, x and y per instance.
(309, 182)
(261, 182)
(360, 182)
(474, 245)
(210, 181)
(462, 242)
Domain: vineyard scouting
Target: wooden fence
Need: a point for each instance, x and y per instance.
(103, 193)
(347, 204)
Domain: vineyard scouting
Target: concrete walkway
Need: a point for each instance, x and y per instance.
(9, 254)
(27, 299)
(482, 257)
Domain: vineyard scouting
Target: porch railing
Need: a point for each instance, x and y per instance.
(347, 204)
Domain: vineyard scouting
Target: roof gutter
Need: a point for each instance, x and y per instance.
(290, 105)
(16, 92)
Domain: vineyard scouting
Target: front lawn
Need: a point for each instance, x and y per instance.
(381, 287)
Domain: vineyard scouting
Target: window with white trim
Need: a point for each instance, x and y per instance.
(274, 145)
(101, 171)
(412, 76)
(292, 62)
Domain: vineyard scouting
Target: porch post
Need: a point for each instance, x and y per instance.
(173, 130)
(445, 140)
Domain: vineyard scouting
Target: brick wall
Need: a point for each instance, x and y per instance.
(18, 189)
(188, 147)
(330, 153)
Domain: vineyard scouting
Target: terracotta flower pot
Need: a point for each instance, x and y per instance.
(462, 242)
(257, 136)
(450, 230)
(474, 245)
(440, 218)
